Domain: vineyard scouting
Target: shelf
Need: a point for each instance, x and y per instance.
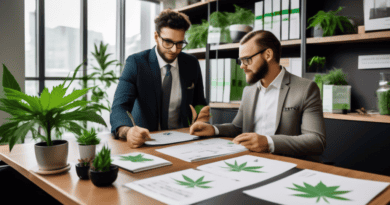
(194, 6)
(225, 105)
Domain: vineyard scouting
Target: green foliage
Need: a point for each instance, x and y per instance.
(242, 167)
(197, 35)
(138, 158)
(102, 161)
(219, 19)
(319, 191)
(86, 162)
(335, 77)
(191, 183)
(329, 21)
(88, 137)
(241, 16)
(53, 111)
(316, 60)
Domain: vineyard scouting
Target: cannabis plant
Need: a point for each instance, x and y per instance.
(335, 77)
(53, 111)
(241, 16)
(316, 60)
(329, 21)
(88, 137)
(197, 35)
(102, 161)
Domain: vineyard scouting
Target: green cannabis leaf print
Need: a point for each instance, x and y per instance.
(242, 167)
(320, 190)
(138, 158)
(191, 183)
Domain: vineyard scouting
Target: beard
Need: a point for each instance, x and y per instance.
(163, 55)
(258, 75)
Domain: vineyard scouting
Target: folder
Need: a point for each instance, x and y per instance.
(295, 20)
(202, 64)
(276, 18)
(259, 15)
(214, 78)
(285, 20)
(241, 80)
(268, 15)
(230, 91)
(220, 81)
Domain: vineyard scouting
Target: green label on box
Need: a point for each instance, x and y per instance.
(269, 14)
(220, 83)
(285, 19)
(286, 11)
(213, 83)
(341, 106)
(295, 11)
(277, 13)
(259, 17)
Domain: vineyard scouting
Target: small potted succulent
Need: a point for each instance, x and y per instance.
(87, 143)
(102, 172)
(82, 168)
(241, 22)
(317, 64)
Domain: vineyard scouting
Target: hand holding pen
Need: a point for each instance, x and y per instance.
(136, 136)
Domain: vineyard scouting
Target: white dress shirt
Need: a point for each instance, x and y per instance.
(175, 99)
(265, 111)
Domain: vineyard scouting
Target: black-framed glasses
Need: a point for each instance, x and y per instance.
(169, 44)
(248, 60)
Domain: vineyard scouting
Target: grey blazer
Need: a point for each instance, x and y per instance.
(300, 130)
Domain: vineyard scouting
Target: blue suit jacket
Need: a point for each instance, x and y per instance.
(139, 91)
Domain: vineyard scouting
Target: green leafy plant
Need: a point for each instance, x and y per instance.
(319, 191)
(220, 20)
(138, 158)
(102, 161)
(53, 111)
(241, 16)
(242, 167)
(88, 137)
(316, 60)
(335, 77)
(86, 162)
(319, 81)
(191, 183)
(329, 22)
(197, 35)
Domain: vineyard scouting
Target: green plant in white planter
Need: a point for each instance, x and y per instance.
(219, 21)
(241, 22)
(336, 92)
(52, 111)
(87, 143)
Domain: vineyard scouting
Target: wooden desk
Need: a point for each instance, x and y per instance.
(69, 189)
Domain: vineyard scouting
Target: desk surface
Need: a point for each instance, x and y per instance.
(69, 189)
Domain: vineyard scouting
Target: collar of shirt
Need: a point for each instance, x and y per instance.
(162, 63)
(277, 82)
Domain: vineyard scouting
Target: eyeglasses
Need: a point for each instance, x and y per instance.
(248, 60)
(169, 44)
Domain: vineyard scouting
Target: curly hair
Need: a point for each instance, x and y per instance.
(172, 19)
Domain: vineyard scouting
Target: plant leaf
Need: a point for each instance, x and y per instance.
(9, 80)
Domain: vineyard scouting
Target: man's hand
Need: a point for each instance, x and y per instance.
(253, 141)
(202, 129)
(136, 136)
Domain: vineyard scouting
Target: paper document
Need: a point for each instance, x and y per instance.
(183, 187)
(314, 187)
(170, 138)
(202, 150)
(248, 169)
(138, 161)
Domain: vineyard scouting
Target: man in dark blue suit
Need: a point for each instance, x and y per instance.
(158, 85)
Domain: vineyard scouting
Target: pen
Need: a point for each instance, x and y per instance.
(132, 121)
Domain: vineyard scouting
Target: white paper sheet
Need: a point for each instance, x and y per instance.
(252, 170)
(170, 138)
(202, 150)
(167, 188)
(356, 191)
(137, 164)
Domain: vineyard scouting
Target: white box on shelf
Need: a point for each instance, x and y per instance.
(285, 20)
(336, 98)
(276, 18)
(268, 15)
(221, 77)
(295, 20)
(259, 15)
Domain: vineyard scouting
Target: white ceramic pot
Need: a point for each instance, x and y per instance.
(87, 151)
(52, 157)
(237, 31)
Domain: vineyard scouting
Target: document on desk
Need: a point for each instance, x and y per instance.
(314, 187)
(170, 138)
(247, 169)
(138, 161)
(202, 150)
(184, 187)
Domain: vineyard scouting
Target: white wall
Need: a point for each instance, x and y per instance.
(12, 43)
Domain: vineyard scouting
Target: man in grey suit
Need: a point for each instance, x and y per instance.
(279, 112)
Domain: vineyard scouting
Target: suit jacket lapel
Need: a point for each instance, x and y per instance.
(156, 75)
(253, 96)
(282, 96)
(183, 77)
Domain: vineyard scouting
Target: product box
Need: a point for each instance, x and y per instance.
(336, 98)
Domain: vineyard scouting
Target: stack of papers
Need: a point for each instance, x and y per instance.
(202, 150)
(170, 138)
(184, 187)
(314, 187)
(137, 161)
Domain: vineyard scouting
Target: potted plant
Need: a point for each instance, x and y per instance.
(197, 35)
(336, 92)
(82, 168)
(102, 172)
(87, 143)
(219, 23)
(317, 64)
(241, 22)
(52, 111)
(326, 23)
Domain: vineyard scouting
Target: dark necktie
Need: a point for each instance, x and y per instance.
(166, 96)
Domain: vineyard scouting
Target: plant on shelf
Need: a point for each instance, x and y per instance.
(220, 20)
(241, 22)
(335, 77)
(329, 22)
(197, 35)
(337, 92)
(53, 111)
(87, 143)
(102, 172)
(317, 63)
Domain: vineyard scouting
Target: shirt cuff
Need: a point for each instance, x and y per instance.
(271, 144)
(216, 130)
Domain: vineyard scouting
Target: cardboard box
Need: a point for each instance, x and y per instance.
(336, 98)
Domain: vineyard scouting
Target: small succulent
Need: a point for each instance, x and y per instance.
(88, 137)
(102, 161)
(86, 162)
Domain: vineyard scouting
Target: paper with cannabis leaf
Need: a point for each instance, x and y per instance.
(248, 169)
(184, 187)
(314, 187)
(137, 161)
(170, 137)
